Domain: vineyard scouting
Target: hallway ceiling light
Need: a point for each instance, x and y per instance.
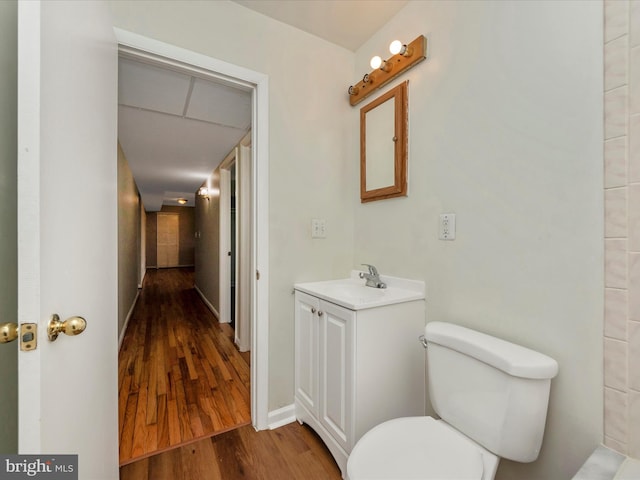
(204, 192)
(182, 201)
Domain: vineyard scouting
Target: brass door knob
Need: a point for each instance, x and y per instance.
(71, 326)
(8, 332)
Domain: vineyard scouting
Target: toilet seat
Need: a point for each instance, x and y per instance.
(415, 448)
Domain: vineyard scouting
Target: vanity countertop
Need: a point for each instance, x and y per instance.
(353, 294)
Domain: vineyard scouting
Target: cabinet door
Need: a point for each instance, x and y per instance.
(337, 325)
(306, 351)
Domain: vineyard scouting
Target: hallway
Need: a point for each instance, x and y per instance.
(180, 375)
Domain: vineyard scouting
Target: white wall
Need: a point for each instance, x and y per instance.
(506, 132)
(310, 162)
(8, 225)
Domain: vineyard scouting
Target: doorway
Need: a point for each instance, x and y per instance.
(161, 54)
(168, 240)
(236, 242)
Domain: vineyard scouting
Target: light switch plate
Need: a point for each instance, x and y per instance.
(447, 230)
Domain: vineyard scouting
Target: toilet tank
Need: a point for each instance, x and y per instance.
(493, 391)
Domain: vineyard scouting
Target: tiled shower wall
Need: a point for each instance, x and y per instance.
(622, 226)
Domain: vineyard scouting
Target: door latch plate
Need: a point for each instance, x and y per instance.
(28, 336)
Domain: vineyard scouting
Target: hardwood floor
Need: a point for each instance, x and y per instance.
(290, 452)
(181, 377)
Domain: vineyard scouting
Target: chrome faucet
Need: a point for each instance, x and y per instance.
(373, 278)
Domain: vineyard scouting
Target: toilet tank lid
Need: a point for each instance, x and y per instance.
(513, 359)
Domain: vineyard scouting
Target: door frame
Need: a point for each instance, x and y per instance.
(224, 286)
(243, 238)
(170, 56)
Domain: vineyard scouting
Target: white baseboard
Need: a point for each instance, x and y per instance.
(207, 302)
(126, 322)
(156, 267)
(282, 416)
(144, 273)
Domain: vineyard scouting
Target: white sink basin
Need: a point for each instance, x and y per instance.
(353, 294)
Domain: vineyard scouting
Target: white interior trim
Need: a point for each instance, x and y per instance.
(243, 248)
(282, 416)
(224, 230)
(29, 56)
(186, 60)
(126, 321)
(207, 302)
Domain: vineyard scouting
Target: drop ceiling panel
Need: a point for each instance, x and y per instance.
(153, 88)
(168, 153)
(221, 104)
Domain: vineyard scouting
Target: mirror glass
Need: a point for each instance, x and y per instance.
(380, 131)
(383, 146)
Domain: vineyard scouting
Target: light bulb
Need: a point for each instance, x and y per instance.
(395, 47)
(376, 62)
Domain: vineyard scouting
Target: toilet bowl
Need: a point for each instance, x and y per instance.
(492, 398)
(419, 448)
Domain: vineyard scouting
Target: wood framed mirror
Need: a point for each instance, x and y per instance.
(383, 146)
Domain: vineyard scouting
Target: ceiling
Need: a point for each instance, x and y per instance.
(176, 128)
(348, 23)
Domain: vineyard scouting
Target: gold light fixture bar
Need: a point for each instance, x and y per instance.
(398, 64)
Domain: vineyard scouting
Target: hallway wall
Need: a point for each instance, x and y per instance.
(207, 274)
(128, 239)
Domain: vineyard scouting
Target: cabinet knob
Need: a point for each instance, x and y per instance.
(313, 310)
(320, 313)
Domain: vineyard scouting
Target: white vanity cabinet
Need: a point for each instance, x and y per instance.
(355, 368)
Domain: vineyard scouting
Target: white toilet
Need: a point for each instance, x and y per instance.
(491, 396)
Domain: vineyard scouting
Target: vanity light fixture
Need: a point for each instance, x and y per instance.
(378, 63)
(182, 201)
(354, 90)
(397, 47)
(404, 57)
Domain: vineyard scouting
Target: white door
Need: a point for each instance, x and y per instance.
(67, 233)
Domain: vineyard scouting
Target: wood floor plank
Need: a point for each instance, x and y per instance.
(126, 434)
(198, 456)
(291, 452)
(140, 432)
(181, 376)
(163, 422)
(174, 423)
(123, 396)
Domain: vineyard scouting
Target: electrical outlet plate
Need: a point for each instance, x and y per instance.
(447, 226)
(318, 228)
